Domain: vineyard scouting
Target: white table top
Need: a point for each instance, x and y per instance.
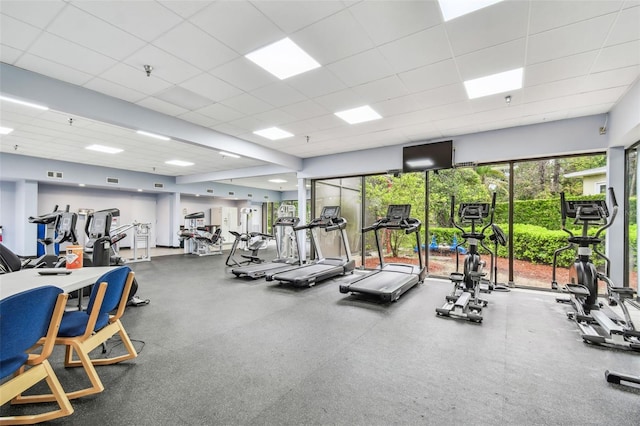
(26, 279)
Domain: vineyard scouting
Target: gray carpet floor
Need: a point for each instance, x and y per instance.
(220, 350)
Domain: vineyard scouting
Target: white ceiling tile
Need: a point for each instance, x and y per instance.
(193, 45)
(239, 25)
(52, 69)
(82, 28)
(220, 112)
(135, 78)
(211, 87)
(613, 78)
(569, 40)
(492, 60)
(196, 118)
(317, 82)
(385, 21)
(59, 50)
(184, 8)
(443, 95)
(17, 34)
(361, 68)
(9, 55)
(395, 106)
(145, 19)
(275, 117)
(114, 89)
(37, 13)
(430, 76)
(626, 27)
(305, 109)
(459, 110)
(323, 122)
(338, 101)
(546, 15)
(559, 69)
(185, 99)
(379, 90)
(165, 65)
(279, 94)
(333, 38)
(488, 27)
(419, 49)
(243, 74)
(162, 106)
(618, 56)
(553, 89)
(291, 16)
(228, 129)
(247, 104)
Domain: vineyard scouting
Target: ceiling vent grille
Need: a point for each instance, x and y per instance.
(232, 193)
(250, 195)
(54, 175)
(209, 191)
(113, 180)
(158, 185)
(466, 164)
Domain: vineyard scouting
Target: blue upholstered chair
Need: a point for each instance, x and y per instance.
(83, 331)
(24, 319)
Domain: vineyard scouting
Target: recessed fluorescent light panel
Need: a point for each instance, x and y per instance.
(153, 135)
(283, 59)
(277, 180)
(19, 102)
(492, 84)
(5, 130)
(452, 9)
(273, 133)
(105, 149)
(228, 154)
(358, 115)
(179, 163)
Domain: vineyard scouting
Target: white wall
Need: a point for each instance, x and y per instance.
(133, 206)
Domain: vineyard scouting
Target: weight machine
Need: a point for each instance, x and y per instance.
(198, 238)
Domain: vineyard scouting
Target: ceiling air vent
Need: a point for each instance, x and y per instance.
(249, 195)
(113, 180)
(232, 193)
(158, 185)
(266, 197)
(54, 175)
(209, 191)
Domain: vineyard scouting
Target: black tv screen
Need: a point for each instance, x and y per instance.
(429, 156)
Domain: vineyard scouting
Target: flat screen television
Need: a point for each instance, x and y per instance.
(428, 156)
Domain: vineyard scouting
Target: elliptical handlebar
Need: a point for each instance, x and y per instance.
(453, 211)
(493, 209)
(614, 212)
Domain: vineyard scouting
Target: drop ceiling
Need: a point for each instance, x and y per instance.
(399, 57)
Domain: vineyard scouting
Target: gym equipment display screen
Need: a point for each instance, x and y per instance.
(430, 156)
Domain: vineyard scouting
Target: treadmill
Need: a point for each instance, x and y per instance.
(391, 280)
(288, 254)
(322, 268)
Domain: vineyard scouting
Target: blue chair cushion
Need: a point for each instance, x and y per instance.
(75, 323)
(9, 365)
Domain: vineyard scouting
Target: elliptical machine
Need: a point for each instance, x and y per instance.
(50, 222)
(464, 300)
(595, 325)
(253, 241)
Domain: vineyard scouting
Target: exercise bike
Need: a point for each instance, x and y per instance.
(464, 300)
(253, 241)
(595, 325)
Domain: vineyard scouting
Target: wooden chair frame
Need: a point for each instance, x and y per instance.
(39, 369)
(83, 345)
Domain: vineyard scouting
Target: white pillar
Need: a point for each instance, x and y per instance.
(615, 235)
(26, 204)
(302, 215)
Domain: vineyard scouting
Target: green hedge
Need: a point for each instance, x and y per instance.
(532, 243)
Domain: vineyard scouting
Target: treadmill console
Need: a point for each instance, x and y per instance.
(397, 213)
(473, 211)
(286, 221)
(586, 210)
(330, 212)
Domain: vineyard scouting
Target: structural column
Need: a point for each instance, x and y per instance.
(26, 205)
(615, 235)
(302, 214)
